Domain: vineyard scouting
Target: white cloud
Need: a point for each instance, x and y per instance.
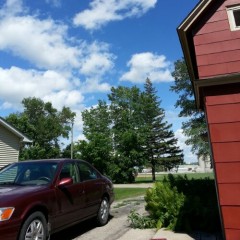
(147, 64)
(46, 44)
(189, 157)
(63, 68)
(11, 7)
(96, 64)
(94, 85)
(97, 60)
(71, 98)
(41, 42)
(6, 105)
(50, 86)
(102, 12)
(17, 83)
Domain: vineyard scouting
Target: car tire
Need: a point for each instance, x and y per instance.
(103, 212)
(35, 227)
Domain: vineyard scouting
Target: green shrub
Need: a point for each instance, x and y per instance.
(181, 204)
(142, 222)
(164, 204)
(200, 210)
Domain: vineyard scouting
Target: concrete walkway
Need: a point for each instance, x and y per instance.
(164, 234)
(169, 235)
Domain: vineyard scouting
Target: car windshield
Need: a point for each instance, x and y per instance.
(28, 173)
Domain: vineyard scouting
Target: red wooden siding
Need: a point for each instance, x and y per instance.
(217, 113)
(225, 132)
(219, 58)
(228, 172)
(226, 151)
(222, 99)
(232, 234)
(217, 48)
(223, 114)
(229, 194)
(231, 217)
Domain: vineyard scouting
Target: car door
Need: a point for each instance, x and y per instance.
(93, 186)
(70, 198)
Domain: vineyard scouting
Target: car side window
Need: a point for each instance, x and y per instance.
(10, 175)
(87, 172)
(70, 170)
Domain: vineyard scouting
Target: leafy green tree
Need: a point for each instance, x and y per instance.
(44, 125)
(97, 149)
(195, 127)
(128, 132)
(160, 143)
(127, 138)
(66, 151)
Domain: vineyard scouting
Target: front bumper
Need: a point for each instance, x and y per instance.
(9, 229)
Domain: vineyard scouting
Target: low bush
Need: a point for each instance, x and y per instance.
(200, 210)
(181, 204)
(164, 204)
(139, 221)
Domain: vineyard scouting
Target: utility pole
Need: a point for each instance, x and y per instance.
(72, 140)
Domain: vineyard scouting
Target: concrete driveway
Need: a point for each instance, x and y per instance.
(118, 227)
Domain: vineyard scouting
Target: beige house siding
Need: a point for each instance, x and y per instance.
(9, 147)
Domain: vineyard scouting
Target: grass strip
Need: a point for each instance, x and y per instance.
(146, 178)
(124, 193)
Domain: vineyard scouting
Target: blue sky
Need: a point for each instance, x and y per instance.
(71, 52)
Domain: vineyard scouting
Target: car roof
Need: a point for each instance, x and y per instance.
(50, 160)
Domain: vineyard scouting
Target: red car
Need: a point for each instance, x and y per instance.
(41, 197)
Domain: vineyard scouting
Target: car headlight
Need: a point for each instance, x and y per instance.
(6, 213)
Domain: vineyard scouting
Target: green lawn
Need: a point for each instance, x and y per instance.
(123, 193)
(144, 178)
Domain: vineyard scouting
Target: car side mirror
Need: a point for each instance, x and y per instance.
(65, 182)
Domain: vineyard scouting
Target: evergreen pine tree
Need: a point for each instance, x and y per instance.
(160, 142)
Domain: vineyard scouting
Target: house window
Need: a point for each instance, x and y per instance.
(234, 17)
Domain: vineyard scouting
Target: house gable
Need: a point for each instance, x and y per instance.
(212, 53)
(10, 142)
(217, 47)
(16, 132)
(210, 48)
(9, 147)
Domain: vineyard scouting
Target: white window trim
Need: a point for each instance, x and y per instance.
(231, 19)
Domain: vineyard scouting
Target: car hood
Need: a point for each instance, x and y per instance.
(7, 191)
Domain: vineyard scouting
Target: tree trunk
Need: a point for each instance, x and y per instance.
(153, 173)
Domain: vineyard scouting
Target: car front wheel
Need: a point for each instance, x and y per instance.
(103, 212)
(34, 228)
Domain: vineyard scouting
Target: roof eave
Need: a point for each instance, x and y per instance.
(15, 131)
(183, 31)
